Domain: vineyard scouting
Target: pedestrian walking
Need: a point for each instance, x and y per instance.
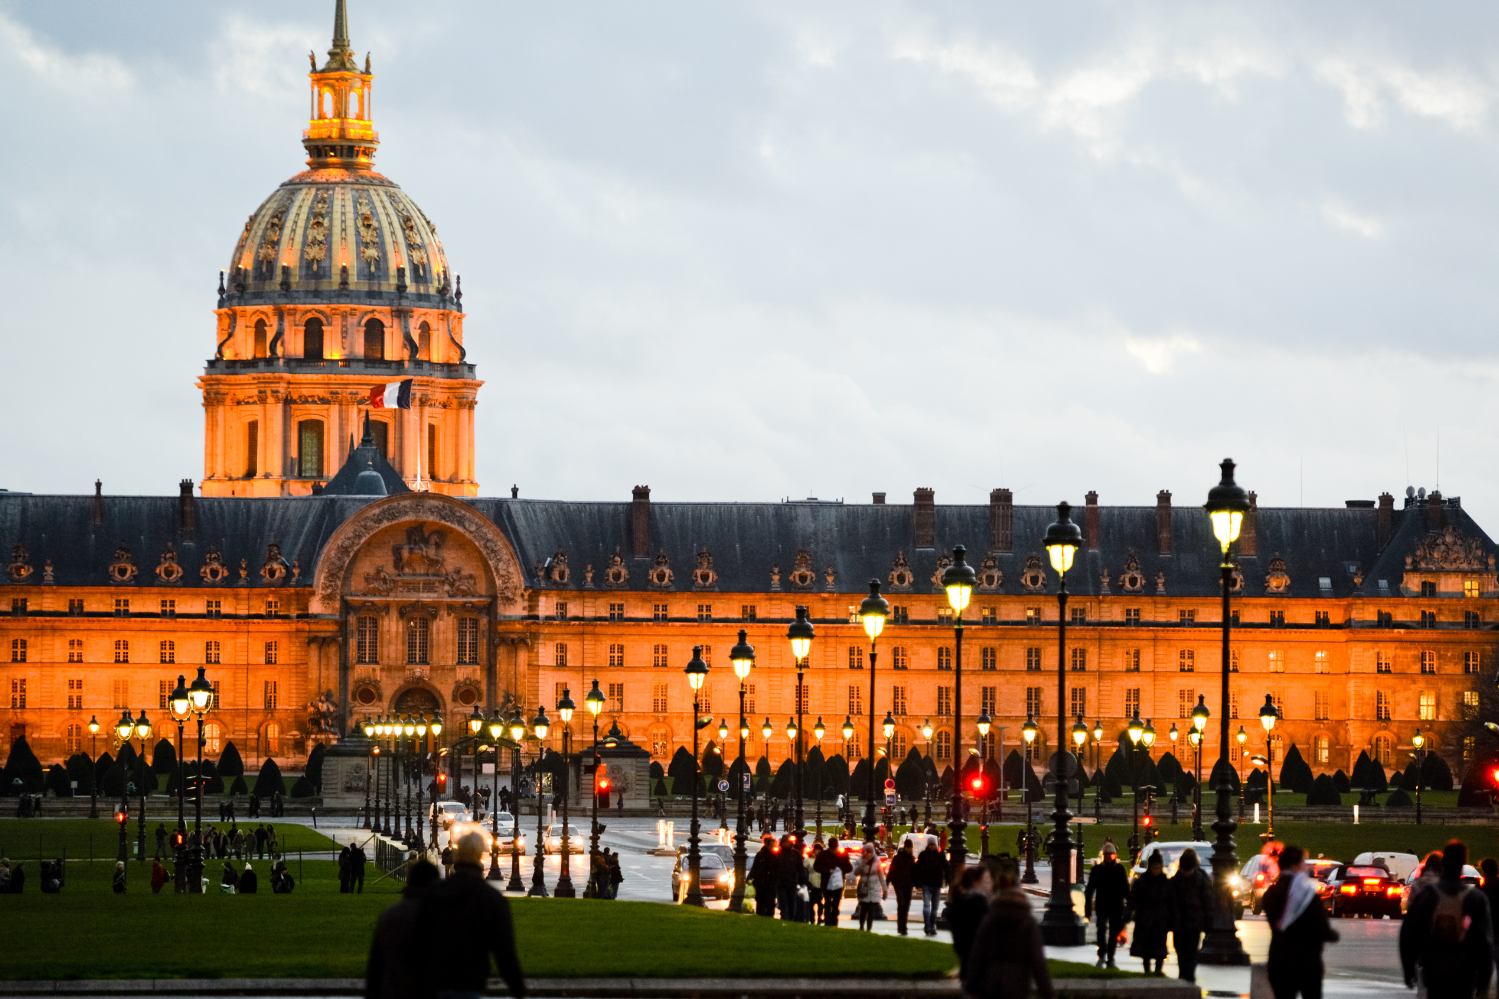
(119, 878)
(1298, 929)
(161, 840)
(1150, 908)
(447, 860)
(1490, 887)
(396, 968)
(239, 843)
(253, 812)
(764, 874)
(775, 814)
(158, 877)
(931, 873)
(616, 876)
(270, 840)
(1447, 936)
(1426, 878)
(248, 881)
(1104, 899)
(790, 878)
(598, 877)
(467, 922)
(835, 868)
(967, 908)
(814, 885)
(357, 860)
(871, 887)
(1007, 956)
(1191, 903)
(343, 870)
(260, 837)
(903, 879)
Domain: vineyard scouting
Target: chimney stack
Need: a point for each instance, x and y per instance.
(187, 513)
(1386, 519)
(1163, 521)
(98, 501)
(640, 521)
(924, 518)
(1247, 541)
(879, 499)
(1001, 520)
(1433, 510)
(1092, 520)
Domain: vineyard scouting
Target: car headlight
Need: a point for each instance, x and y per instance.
(1233, 879)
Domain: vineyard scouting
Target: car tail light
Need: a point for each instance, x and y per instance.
(1372, 881)
(1392, 890)
(1258, 878)
(1350, 889)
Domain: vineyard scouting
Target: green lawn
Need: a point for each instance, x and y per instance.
(80, 839)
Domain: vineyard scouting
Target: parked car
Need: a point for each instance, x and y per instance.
(1364, 890)
(723, 859)
(1471, 876)
(1258, 873)
(575, 839)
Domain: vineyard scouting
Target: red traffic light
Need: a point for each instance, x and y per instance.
(1496, 775)
(978, 783)
(120, 817)
(603, 783)
(178, 839)
(442, 782)
(1146, 821)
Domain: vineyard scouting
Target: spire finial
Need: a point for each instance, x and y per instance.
(341, 56)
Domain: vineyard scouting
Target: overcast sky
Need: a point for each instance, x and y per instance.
(741, 252)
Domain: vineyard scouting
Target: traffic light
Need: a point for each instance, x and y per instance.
(121, 816)
(442, 783)
(179, 839)
(976, 784)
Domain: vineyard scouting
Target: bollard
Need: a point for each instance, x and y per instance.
(1355, 815)
(1256, 813)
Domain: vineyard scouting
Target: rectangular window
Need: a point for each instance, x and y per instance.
(169, 608)
(1323, 618)
(658, 698)
(1186, 617)
(1131, 701)
(1428, 708)
(1078, 701)
(163, 693)
(75, 650)
(1033, 702)
(418, 641)
(367, 639)
(1277, 659)
(1470, 588)
(1382, 662)
(898, 657)
(1277, 617)
(252, 432)
(1186, 660)
(1233, 704)
(749, 698)
(168, 651)
(944, 616)
(1469, 745)
(1320, 662)
(75, 694)
(855, 749)
(431, 451)
(1381, 705)
(122, 606)
(214, 608)
(468, 641)
(803, 698)
(746, 612)
(269, 691)
(1472, 620)
(559, 654)
(944, 745)
(1079, 615)
(1470, 704)
(120, 690)
(272, 652)
(989, 658)
(1132, 615)
(210, 653)
(1320, 749)
(18, 650)
(704, 696)
(987, 701)
(1079, 660)
(1233, 661)
(944, 657)
(616, 612)
(75, 607)
(658, 654)
(990, 616)
(1428, 619)
(310, 449)
(1131, 660)
(272, 608)
(900, 614)
(1033, 659)
(616, 654)
(18, 606)
(560, 610)
(616, 697)
(1428, 662)
(658, 612)
(1471, 662)
(122, 651)
(1320, 705)
(1033, 615)
(18, 692)
(898, 700)
(1428, 588)
(855, 657)
(944, 701)
(1186, 700)
(855, 699)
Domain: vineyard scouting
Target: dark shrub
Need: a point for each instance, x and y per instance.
(1324, 792)
(1398, 799)
(269, 781)
(302, 788)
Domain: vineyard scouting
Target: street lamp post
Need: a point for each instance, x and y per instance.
(801, 634)
(926, 784)
(1242, 738)
(565, 708)
(848, 735)
(1079, 737)
(1097, 752)
(419, 771)
(1028, 731)
(539, 728)
(200, 693)
(723, 740)
(180, 707)
(818, 731)
(1269, 715)
(1419, 741)
(368, 728)
(1200, 716)
(1174, 736)
(1060, 926)
(517, 733)
(1136, 731)
(594, 700)
(873, 612)
(1226, 506)
(435, 727)
(93, 794)
(496, 728)
(887, 727)
(742, 655)
(984, 724)
(142, 732)
(1147, 739)
(697, 672)
(958, 580)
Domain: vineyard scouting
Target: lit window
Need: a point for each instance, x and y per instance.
(1321, 750)
(269, 692)
(1428, 706)
(1033, 615)
(1277, 661)
(213, 736)
(1320, 662)
(1470, 704)
(990, 616)
(1470, 588)
(1471, 662)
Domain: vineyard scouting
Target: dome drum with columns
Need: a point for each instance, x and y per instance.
(338, 283)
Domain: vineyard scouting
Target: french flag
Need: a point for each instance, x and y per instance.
(396, 395)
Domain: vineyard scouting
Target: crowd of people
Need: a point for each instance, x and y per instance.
(219, 844)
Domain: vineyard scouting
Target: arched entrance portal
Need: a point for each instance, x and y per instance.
(417, 701)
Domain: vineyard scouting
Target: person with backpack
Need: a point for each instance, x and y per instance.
(1298, 929)
(1447, 935)
(1105, 897)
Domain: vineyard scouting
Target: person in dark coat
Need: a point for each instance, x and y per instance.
(1298, 929)
(161, 840)
(466, 921)
(1448, 935)
(764, 874)
(616, 876)
(357, 860)
(931, 874)
(835, 869)
(119, 878)
(158, 877)
(260, 838)
(343, 871)
(1007, 954)
(902, 877)
(1105, 898)
(248, 881)
(791, 874)
(230, 878)
(1191, 904)
(395, 967)
(966, 909)
(1150, 908)
(1490, 887)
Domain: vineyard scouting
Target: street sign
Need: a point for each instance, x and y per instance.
(889, 785)
(745, 780)
(1068, 764)
(723, 786)
(889, 799)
